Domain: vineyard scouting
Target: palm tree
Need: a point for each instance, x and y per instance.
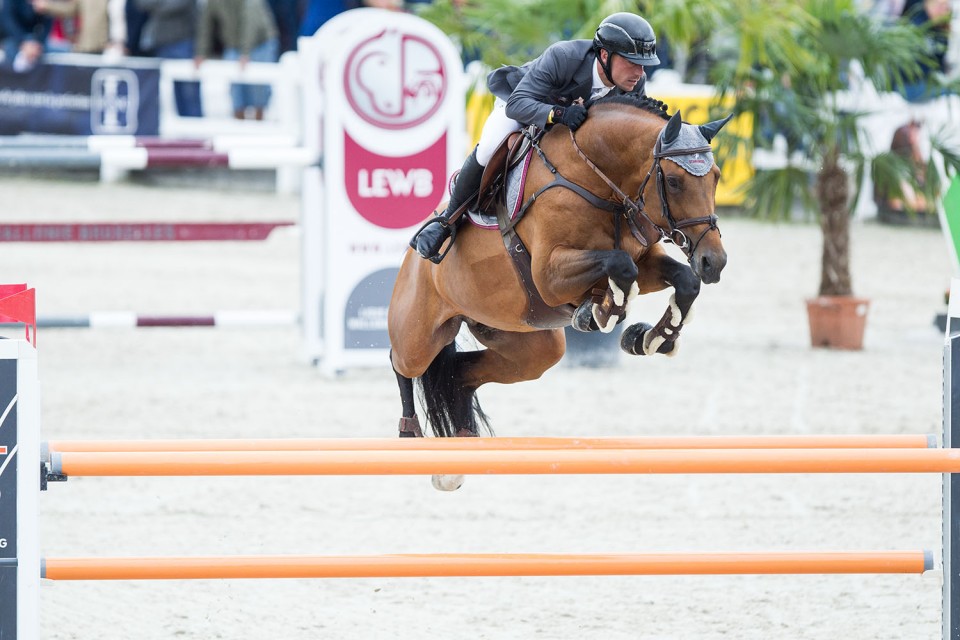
(797, 74)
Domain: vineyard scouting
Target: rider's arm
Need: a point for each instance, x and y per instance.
(529, 102)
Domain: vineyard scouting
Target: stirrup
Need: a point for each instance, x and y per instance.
(443, 254)
(440, 255)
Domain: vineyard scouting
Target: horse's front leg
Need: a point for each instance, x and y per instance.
(658, 271)
(563, 275)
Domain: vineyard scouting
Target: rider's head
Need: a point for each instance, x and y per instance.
(626, 35)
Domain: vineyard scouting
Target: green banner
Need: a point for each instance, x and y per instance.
(951, 210)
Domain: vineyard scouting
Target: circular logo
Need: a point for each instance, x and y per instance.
(395, 80)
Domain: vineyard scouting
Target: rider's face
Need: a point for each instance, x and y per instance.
(624, 73)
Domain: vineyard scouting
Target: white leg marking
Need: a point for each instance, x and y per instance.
(446, 482)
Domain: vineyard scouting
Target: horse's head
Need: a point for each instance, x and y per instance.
(685, 177)
(670, 193)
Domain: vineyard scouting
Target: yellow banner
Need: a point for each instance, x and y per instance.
(695, 109)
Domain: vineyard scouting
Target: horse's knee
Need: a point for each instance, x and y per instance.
(621, 268)
(406, 367)
(411, 362)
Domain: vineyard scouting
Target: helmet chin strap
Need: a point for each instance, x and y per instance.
(606, 67)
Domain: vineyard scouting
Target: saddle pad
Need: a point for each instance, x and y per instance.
(516, 180)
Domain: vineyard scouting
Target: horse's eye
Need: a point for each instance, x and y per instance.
(673, 183)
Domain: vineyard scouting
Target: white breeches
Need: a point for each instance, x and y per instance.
(497, 127)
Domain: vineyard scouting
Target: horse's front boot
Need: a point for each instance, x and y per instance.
(612, 308)
(637, 340)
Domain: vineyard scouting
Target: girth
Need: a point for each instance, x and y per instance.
(511, 152)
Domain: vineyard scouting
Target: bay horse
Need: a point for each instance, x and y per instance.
(583, 267)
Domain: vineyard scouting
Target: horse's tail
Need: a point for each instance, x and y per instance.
(451, 407)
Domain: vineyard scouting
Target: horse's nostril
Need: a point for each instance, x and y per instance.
(704, 265)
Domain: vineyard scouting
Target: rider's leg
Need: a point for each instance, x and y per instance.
(497, 127)
(432, 236)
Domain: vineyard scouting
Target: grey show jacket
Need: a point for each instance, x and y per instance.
(561, 75)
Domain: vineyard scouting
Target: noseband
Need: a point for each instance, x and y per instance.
(634, 207)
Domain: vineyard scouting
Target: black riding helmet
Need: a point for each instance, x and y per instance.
(627, 35)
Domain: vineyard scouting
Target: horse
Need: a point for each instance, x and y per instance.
(582, 269)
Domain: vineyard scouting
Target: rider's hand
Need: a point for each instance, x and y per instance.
(572, 116)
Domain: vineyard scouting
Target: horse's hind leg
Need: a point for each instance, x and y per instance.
(449, 397)
(513, 357)
(409, 423)
(449, 386)
(509, 357)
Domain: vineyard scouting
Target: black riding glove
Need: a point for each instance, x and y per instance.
(572, 116)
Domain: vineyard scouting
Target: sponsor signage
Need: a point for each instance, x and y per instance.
(8, 499)
(80, 100)
(385, 108)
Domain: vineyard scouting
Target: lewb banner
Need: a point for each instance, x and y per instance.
(385, 107)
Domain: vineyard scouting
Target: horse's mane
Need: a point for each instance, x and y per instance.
(646, 103)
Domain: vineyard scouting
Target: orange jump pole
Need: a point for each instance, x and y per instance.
(896, 441)
(474, 565)
(573, 461)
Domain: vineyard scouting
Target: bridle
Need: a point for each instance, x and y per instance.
(633, 208)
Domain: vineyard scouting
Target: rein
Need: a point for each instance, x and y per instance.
(632, 209)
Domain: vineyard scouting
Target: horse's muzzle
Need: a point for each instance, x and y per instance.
(707, 263)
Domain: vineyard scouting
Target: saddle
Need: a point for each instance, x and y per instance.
(509, 154)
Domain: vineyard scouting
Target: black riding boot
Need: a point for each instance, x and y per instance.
(432, 236)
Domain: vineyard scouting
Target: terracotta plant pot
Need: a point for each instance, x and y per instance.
(837, 322)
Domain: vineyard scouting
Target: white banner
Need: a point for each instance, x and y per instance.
(384, 103)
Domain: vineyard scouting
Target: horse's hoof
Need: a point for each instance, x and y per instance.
(583, 318)
(631, 340)
(669, 349)
(445, 482)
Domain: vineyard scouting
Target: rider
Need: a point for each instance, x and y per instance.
(545, 92)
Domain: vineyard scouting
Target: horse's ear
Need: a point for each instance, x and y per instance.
(711, 129)
(672, 130)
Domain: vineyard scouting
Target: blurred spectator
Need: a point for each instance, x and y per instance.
(62, 33)
(934, 16)
(98, 26)
(25, 31)
(884, 10)
(247, 32)
(898, 205)
(317, 12)
(389, 5)
(134, 18)
(664, 53)
(286, 15)
(169, 32)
